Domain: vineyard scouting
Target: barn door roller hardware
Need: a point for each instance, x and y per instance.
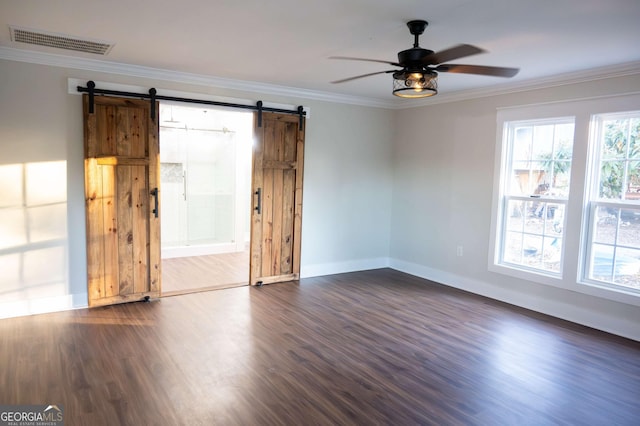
(153, 97)
(259, 109)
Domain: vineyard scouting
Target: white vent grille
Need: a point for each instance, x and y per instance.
(59, 41)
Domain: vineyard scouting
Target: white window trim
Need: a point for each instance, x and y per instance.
(575, 236)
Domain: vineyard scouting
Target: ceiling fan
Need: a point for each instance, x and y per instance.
(417, 77)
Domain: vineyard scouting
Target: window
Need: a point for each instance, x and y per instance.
(566, 202)
(613, 196)
(535, 182)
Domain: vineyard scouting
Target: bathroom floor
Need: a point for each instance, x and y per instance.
(209, 272)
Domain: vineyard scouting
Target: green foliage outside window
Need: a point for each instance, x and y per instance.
(620, 154)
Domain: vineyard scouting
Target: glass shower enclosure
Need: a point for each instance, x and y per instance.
(205, 165)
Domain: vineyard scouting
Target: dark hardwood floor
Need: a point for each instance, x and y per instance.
(367, 348)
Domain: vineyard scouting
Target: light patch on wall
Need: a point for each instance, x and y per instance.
(33, 238)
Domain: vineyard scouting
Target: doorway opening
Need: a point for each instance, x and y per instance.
(205, 169)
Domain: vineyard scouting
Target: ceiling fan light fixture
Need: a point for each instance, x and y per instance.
(417, 77)
(414, 84)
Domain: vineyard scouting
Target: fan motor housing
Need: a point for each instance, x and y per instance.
(413, 56)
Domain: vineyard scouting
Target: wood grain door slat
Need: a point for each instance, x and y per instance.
(277, 175)
(121, 170)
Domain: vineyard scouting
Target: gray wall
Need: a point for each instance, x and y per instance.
(402, 188)
(347, 167)
(442, 198)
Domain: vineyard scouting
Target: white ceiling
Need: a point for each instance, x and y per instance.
(288, 42)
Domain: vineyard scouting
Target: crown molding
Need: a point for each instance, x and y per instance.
(610, 71)
(88, 64)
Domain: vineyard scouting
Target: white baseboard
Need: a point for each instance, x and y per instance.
(586, 315)
(307, 271)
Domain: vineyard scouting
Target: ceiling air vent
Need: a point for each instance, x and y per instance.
(59, 41)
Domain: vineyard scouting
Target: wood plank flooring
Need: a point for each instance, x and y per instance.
(367, 348)
(199, 273)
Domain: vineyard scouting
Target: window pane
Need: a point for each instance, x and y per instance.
(614, 144)
(515, 215)
(620, 164)
(627, 267)
(601, 263)
(633, 179)
(564, 138)
(606, 225)
(557, 159)
(554, 220)
(544, 218)
(616, 265)
(521, 146)
(629, 231)
(526, 179)
(532, 251)
(535, 211)
(611, 179)
(543, 142)
(560, 174)
(552, 251)
(512, 252)
(634, 138)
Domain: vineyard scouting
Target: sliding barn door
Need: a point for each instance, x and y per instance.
(276, 220)
(121, 184)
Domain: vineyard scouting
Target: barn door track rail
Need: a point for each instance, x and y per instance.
(153, 97)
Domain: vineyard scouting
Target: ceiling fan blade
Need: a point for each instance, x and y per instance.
(362, 76)
(455, 52)
(478, 69)
(367, 60)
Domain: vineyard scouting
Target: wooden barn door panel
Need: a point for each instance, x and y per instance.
(121, 170)
(277, 186)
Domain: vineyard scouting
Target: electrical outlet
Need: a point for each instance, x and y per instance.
(459, 251)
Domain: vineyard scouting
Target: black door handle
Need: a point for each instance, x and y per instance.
(258, 208)
(154, 192)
